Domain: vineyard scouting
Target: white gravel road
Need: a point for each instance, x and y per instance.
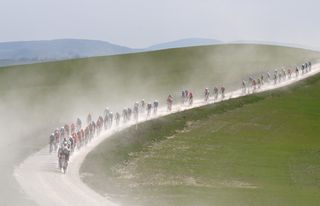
(43, 183)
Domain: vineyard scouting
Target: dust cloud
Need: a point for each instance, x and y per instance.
(36, 99)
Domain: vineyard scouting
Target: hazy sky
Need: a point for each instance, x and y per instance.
(140, 23)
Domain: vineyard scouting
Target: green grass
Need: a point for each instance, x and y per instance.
(262, 149)
(39, 97)
(36, 98)
(146, 75)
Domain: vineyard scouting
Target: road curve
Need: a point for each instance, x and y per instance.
(43, 183)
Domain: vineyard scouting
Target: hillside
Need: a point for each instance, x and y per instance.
(37, 98)
(261, 149)
(40, 97)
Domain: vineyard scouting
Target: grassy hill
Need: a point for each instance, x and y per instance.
(39, 97)
(262, 149)
(150, 74)
(35, 99)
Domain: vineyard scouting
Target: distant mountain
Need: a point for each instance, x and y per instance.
(184, 43)
(51, 50)
(26, 52)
